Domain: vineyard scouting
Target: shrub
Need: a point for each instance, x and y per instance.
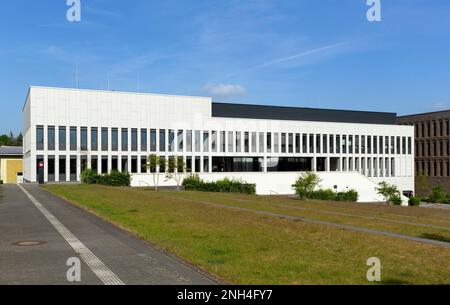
(115, 178)
(1, 181)
(194, 183)
(330, 195)
(396, 199)
(389, 192)
(89, 176)
(306, 184)
(438, 195)
(415, 201)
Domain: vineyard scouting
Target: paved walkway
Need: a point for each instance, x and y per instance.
(108, 255)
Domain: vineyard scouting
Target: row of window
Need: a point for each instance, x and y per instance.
(438, 168)
(439, 128)
(162, 140)
(69, 167)
(439, 148)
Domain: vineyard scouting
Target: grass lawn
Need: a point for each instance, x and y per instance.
(249, 248)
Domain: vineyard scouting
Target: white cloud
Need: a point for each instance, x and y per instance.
(224, 90)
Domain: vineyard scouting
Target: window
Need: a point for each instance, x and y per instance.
(238, 141)
(386, 145)
(104, 139)
(325, 144)
(134, 139)
(350, 144)
(214, 141)
(222, 142)
(206, 141)
(338, 144)
(369, 145)
(73, 139)
(189, 140)
(94, 139)
(84, 138)
(144, 165)
(171, 140)
(375, 145)
(180, 140)
(40, 137)
(392, 145)
(62, 138)
(114, 139)
(134, 164)
(269, 142)
(331, 144)
(297, 143)
(291, 143)
(261, 142)
(162, 140)
(51, 137)
(254, 142)
(344, 144)
(124, 137)
(205, 164)
(311, 143)
(153, 140)
(363, 144)
(246, 142)
(283, 143)
(318, 148)
(230, 141)
(357, 145)
(197, 141)
(276, 139)
(305, 143)
(144, 146)
(62, 168)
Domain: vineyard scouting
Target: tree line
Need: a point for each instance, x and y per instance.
(11, 140)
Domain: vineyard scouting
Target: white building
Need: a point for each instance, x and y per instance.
(71, 129)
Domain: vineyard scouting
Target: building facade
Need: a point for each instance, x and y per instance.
(11, 164)
(432, 148)
(71, 129)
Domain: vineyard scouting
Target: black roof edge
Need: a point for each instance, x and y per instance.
(289, 113)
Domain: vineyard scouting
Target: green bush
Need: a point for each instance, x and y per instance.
(330, 195)
(396, 199)
(194, 183)
(306, 185)
(115, 178)
(89, 176)
(415, 201)
(438, 195)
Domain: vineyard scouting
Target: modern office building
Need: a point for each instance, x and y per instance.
(432, 146)
(71, 129)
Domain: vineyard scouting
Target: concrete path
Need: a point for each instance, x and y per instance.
(108, 255)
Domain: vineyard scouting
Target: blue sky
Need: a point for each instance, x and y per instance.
(311, 53)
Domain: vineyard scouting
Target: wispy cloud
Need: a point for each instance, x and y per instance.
(224, 90)
(322, 50)
(439, 106)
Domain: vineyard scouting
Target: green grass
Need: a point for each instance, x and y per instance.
(248, 248)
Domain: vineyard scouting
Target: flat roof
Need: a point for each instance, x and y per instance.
(11, 151)
(424, 113)
(246, 111)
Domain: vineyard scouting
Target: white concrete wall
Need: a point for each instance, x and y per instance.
(281, 183)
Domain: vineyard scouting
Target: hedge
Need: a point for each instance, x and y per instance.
(194, 183)
(115, 178)
(330, 195)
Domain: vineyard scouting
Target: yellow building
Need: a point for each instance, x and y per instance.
(11, 164)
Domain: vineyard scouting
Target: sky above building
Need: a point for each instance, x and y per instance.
(307, 53)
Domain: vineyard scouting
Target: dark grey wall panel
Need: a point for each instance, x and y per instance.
(224, 110)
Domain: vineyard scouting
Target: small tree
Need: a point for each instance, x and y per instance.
(438, 195)
(306, 184)
(176, 169)
(155, 164)
(389, 192)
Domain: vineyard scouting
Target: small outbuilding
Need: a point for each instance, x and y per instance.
(11, 164)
